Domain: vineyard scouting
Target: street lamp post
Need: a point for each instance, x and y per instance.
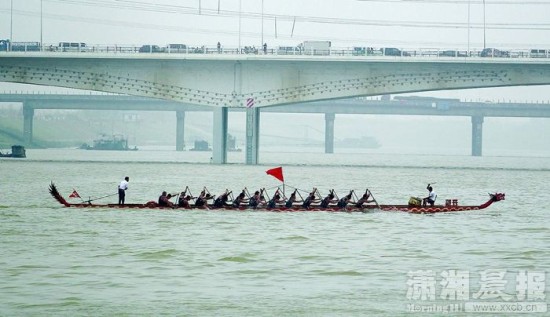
(484, 43)
(240, 11)
(468, 27)
(41, 24)
(262, 43)
(11, 21)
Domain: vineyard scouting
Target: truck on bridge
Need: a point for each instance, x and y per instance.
(315, 47)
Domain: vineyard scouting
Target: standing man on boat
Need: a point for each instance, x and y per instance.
(122, 187)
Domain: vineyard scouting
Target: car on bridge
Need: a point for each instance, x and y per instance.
(453, 53)
(176, 48)
(150, 49)
(392, 51)
(493, 52)
(361, 51)
(287, 50)
(539, 53)
(71, 47)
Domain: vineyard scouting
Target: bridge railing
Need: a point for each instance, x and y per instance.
(278, 51)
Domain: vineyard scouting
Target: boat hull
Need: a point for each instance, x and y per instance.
(427, 210)
(152, 205)
(390, 208)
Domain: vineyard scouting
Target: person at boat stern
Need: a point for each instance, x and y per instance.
(431, 197)
(122, 187)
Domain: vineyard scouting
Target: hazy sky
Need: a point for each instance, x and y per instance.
(509, 24)
(405, 23)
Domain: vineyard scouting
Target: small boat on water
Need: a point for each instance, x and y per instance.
(450, 206)
(202, 145)
(17, 151)
(114, 142)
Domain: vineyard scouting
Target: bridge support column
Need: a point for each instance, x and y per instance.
(252, 135)
(28, 114)
(219, 144)
(329, 132)
(180, 130)
(477, 135)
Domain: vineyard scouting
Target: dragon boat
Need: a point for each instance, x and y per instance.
(412, 207)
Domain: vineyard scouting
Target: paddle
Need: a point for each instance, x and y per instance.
(301, 198)
(355, 196)
(266, 194)
(374, 199)
(90, 200)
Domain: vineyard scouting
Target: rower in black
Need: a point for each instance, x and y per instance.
(327, 200)
(343, 202)
(221, 201)
(239, 200)
(274, 201)
(310, 199)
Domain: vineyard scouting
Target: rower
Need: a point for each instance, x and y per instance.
(239, 199)
(202, 199)
(275, 200)
(292, 199)
(343, 202)
(327, 200)
(164, 200)
(310, 199)
(363, 200)
(221, 201)
(183, 201)
(256, 200)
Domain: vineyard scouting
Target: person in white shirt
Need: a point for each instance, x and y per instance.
(122, 190)
(431, 197)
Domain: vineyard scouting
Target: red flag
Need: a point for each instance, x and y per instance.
(276, 172)
(74, 194)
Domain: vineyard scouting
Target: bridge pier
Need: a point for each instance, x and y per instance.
(329, 132)
(477, 135)
(252, 135)
(28, 115)
(219, 144)
(180, 130)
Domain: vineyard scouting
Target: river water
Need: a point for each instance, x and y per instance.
(67, 262)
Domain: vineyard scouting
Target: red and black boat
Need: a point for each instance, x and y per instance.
(450, 206)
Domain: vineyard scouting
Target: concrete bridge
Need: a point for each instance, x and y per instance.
(226, 81)
(424, 106)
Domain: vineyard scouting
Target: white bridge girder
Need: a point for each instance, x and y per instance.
(233, 81)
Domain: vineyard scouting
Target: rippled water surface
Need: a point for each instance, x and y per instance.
(102, 262)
